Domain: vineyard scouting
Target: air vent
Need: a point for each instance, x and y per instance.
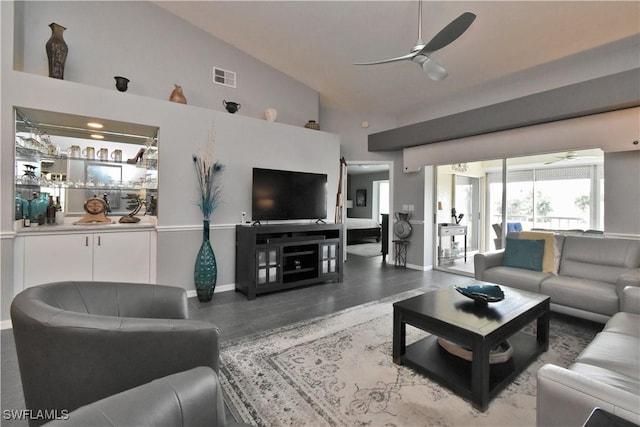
(224, 77)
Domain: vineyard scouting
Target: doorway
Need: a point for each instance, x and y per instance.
(368, 200)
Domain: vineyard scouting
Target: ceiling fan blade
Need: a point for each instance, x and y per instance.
(384, 61)
(449, 33)
(554, 161)
(432, 68)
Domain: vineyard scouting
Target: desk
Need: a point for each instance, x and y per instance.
(451, 230)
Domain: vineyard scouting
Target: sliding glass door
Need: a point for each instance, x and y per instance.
(467, 199)
(562, 192)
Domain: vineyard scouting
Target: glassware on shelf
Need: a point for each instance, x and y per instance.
(29, 176)
(455, 249)
(38, 207)
(19, 207)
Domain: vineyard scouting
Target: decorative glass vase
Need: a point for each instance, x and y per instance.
(206, 269)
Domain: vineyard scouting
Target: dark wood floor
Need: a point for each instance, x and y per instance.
(365, 280)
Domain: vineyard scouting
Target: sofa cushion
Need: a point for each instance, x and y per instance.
(549, 249)
(583, 294)
(606, 376)
(521, 253)
(601, 259)
(527, 280)
(624, 323)
(615, 352)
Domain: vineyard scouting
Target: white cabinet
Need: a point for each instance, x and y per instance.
(121, 257)
(57, 257)
(105, 256)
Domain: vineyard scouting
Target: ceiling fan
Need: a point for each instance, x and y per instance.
(421, 52)
(569, 156)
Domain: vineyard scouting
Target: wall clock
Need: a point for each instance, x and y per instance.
(95, 208)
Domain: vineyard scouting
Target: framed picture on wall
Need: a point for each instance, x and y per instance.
(361, 197)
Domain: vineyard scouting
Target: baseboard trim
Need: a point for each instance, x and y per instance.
(420, 267)
(6, 324)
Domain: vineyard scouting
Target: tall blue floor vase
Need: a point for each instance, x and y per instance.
(206, 269)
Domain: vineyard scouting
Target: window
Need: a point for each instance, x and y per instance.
(552, 198)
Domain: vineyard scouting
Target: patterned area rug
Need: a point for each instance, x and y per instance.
(337, 370)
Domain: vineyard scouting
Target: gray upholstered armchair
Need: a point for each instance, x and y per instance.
(188, 399)
(78, 342)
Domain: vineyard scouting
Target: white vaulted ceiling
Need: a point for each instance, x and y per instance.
(317, 42)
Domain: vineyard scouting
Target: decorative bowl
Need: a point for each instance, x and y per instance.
(482, 293)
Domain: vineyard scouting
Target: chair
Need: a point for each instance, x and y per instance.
(191, 398)
(497, 228)
(78, 342)
(511, 228)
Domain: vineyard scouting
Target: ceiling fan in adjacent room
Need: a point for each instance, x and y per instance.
(569, 156)
(421, 52)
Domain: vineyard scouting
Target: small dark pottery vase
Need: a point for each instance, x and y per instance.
(57, 50)
(122, 83)
(231, 106)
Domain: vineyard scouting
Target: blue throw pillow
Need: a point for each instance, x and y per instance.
(523, 253)
(514, 226)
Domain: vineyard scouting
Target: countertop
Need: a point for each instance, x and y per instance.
(69, 226)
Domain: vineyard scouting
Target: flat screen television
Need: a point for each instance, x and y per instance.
(286, 195)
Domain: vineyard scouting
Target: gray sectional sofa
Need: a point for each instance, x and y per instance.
(592, 273)
(598, 279)
(605, 375)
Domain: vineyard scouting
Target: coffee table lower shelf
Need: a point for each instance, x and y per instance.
(428, 357)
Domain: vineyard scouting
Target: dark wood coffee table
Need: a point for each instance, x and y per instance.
(448, 314)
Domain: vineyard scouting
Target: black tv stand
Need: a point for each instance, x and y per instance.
(283, 256)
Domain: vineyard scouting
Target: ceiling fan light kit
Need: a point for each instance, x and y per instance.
(421, 52)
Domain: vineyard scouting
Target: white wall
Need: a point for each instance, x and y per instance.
(242, 141)
(622, 193)
(155, 50)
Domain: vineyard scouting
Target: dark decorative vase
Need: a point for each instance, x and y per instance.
(57, 50)
(231, 106)
(122, 83)
(206, 269)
